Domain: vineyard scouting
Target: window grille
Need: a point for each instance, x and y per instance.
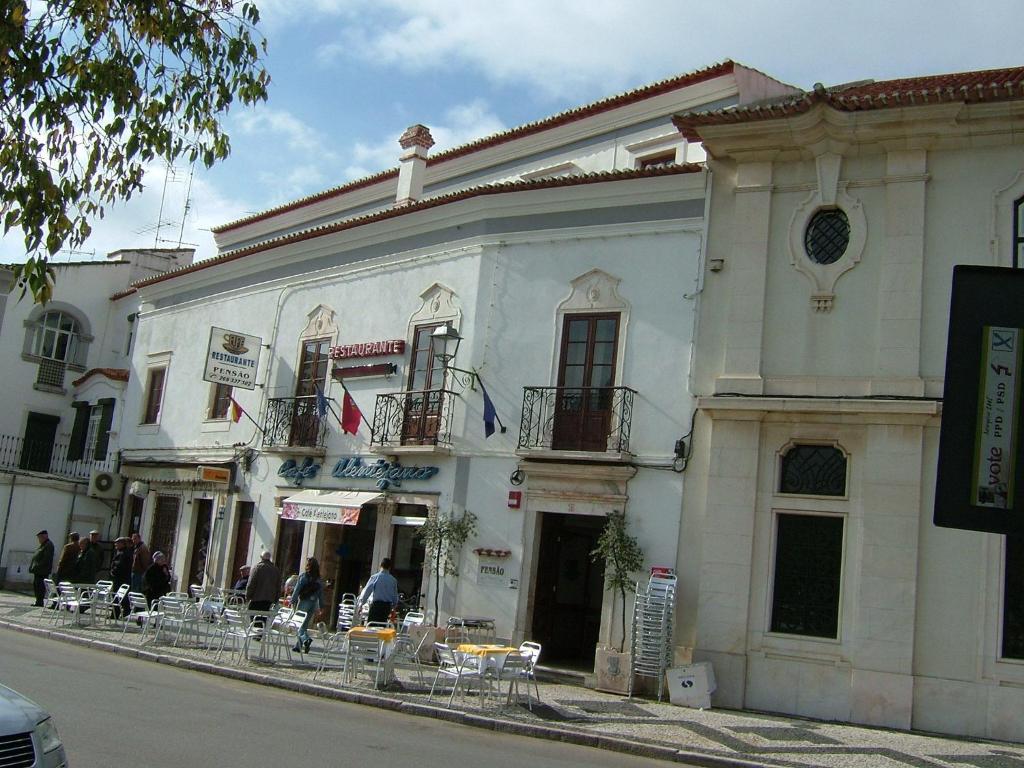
(813, 470)
(827, 236)
(51, 373)
(807, 576)
(1013, 599)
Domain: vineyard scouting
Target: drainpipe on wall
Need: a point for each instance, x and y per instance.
(3, 536)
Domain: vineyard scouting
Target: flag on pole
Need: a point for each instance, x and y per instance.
(350, 415)
(489, 413)
(321, 403)
(236, 410)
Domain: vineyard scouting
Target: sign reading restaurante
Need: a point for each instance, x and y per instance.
(232, 358)
(367, 349)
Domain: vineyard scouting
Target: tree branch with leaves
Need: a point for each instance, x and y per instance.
(94, 90)
(622, 557)
(443, 537)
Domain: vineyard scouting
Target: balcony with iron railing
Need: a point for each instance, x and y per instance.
(413, 422)
(47, 457)
(576, 422)
(293, 425)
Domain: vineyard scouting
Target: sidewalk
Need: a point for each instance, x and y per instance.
(582, 716)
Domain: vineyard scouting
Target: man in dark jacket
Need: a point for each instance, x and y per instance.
(264, 585)
(41, 566)
(88, 563)
(120, 568)
(68, 558)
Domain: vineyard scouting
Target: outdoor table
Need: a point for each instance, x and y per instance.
(492, 655)
(481, 627)
(386, 636)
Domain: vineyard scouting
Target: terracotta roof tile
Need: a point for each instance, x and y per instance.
(422, 205)
(114, 374)
(968, 87)
(562, 118)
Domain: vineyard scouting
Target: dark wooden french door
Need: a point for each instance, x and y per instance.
(569, 589)
(586, 375)
(165, 525)
(312, 373)
(243, 534)
(424, 399)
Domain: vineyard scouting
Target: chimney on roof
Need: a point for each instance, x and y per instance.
(416, 142)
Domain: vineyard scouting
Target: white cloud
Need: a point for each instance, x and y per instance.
(272, 125)
(458, 124)
(565, 48)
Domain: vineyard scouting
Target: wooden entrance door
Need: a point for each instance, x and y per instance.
(586, 375)
(242, 537)
(424, 397)
(568, 590)
(165, 526)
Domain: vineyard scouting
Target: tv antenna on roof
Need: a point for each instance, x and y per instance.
(172, 175)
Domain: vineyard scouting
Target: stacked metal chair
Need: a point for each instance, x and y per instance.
(653, 611)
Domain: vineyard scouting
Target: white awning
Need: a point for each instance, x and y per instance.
(338, 507)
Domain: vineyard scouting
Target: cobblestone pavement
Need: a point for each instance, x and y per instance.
(711, 737)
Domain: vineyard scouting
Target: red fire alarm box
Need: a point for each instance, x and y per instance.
(515, 499)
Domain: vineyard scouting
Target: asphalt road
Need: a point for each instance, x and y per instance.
(117, 711)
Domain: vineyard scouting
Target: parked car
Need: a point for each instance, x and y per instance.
(28, 737)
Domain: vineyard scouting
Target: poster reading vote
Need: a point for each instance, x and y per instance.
(998, 394)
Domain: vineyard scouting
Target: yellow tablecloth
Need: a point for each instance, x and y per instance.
(485, 650)
(387, 635)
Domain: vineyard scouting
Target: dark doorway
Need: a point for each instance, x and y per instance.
(165, 526)
(288, 554)
(586, 377)
(347, 557)
(203, 509)
(37, 447)
(569, 589)
(242, 536)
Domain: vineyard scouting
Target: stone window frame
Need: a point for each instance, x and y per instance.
(829, 193)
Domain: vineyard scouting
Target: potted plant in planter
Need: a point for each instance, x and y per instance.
(443, 537)
(622, 557)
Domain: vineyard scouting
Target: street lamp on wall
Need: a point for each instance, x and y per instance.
(444, 345)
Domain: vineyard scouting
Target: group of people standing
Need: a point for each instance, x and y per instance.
(81, 560)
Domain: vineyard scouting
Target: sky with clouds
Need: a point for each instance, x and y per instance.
(348, 76)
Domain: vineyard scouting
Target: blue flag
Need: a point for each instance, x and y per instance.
(489, 413)
(321, 403)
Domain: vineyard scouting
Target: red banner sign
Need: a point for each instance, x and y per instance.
(367, 349)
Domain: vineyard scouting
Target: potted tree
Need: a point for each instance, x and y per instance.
(443, 537)
(623, 558)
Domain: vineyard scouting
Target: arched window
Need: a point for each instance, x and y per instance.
(56, 337)
(813, 470)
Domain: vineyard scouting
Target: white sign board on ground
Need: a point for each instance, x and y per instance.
(232, 358)
(691, 685)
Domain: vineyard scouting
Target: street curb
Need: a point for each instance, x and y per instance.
(418, 709)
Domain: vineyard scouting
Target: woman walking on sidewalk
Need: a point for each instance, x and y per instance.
(308, 596)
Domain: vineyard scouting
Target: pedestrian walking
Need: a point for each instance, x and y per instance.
(41, 566)
(264, 585)
(382, 592)
(308, 596)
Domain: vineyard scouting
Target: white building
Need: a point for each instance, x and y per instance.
(64, 372)
(813, 577)
(567, 255)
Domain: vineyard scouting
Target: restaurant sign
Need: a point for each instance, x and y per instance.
(232, 358)
(385, 473)
(295, 473)
(367, 349)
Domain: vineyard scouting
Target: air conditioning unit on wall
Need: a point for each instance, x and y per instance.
(104, 484)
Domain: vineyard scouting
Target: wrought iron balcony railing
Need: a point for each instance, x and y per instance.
(293, 422)
(590, 419)
(413, 418)
(47, 456)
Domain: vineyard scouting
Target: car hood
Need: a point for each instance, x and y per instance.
(18, 714)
